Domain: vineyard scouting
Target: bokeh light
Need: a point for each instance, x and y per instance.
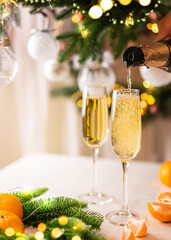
(95, 12)
(106, 4)
(144, 2)
(63, 220)
(154, 28)
(150, 100)
(39, 236)
(42, 227)
(56, 233)
(9, 232)
(125, 2)
(146, 84)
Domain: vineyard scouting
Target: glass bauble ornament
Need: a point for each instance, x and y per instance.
(55, 72)
(155, 76)
(8, 61)
(42, 45)
(96, 74)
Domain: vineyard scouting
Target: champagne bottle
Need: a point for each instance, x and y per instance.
(157, 54)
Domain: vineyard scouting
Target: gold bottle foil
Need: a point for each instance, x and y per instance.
(4, 42)
(157, 54)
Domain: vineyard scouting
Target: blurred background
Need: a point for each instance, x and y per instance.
(34, 118)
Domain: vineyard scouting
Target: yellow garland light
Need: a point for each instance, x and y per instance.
(19, 238)
(144, 2)
(95, 12)
(144, 96)
(7, 2)
(39, 236)
(151, 100)
(42, 227)
(84, 33)
(63, 220)
(125, 2)
(129, 20)
(154, 28)
(146, 84)
(9, 232)
(56, 233)
(106, 4)
(143, 104)
(76, 238)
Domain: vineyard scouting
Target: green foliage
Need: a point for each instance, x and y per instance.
(111, 23)
(25, 196)
(44, 210)
(74, 227)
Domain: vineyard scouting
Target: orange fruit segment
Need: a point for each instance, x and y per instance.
(127, 234)
(11, 203)
(164, 197)
(9, 219)
(165, 173)
(160, 211)
(138, 227)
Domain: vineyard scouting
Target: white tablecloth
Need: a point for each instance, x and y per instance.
(71, 175)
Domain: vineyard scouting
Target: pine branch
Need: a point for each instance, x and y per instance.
(66, 13)
(81, 229)
(26, 196)
(51, 208)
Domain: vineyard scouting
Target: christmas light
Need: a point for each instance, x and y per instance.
(95, 12)
(154, 28)
(129, 20)
(144, 2)
(39, 236)
(76, 18)
(9, 232)
(149, 26)
(56, 233)
(144, 96)
(84, 33)
(42, 227)
(146, 84)
(106, 4)
(125, 2)
(143, 104)
(19, 238)
(150, 100)
(63, 220)
(76, 238)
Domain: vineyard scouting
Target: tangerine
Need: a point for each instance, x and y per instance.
(11, 203)
(165, 173)
(138, 227)
(127, 234)
(164, 197)
(160, 211)
(9, 219)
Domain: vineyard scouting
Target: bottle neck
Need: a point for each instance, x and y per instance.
(157, 54)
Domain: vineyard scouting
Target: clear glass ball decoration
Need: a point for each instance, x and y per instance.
(8, 66)
(96, 75)
(157, 77)
(42, 46)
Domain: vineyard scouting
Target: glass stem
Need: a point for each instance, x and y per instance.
(95, 152)
(125, 183)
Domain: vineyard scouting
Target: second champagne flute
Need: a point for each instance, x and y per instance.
(95, 132)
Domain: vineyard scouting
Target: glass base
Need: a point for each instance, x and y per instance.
(120, 217)
(95, 198)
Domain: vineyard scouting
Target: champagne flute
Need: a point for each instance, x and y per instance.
(126, 142)
(95, 132)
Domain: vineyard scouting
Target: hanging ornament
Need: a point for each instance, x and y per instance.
(55, 72)
(96, 74)
(8, 61)
(155, 76)
(42, 45)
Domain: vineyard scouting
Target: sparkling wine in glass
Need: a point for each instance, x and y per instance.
(95, 132)
(126, 142)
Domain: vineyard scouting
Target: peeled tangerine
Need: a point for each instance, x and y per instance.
(164, 197)
(160, 211)
(127, 234)
(135, 228)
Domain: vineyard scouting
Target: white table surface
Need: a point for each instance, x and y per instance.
(67, 175)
